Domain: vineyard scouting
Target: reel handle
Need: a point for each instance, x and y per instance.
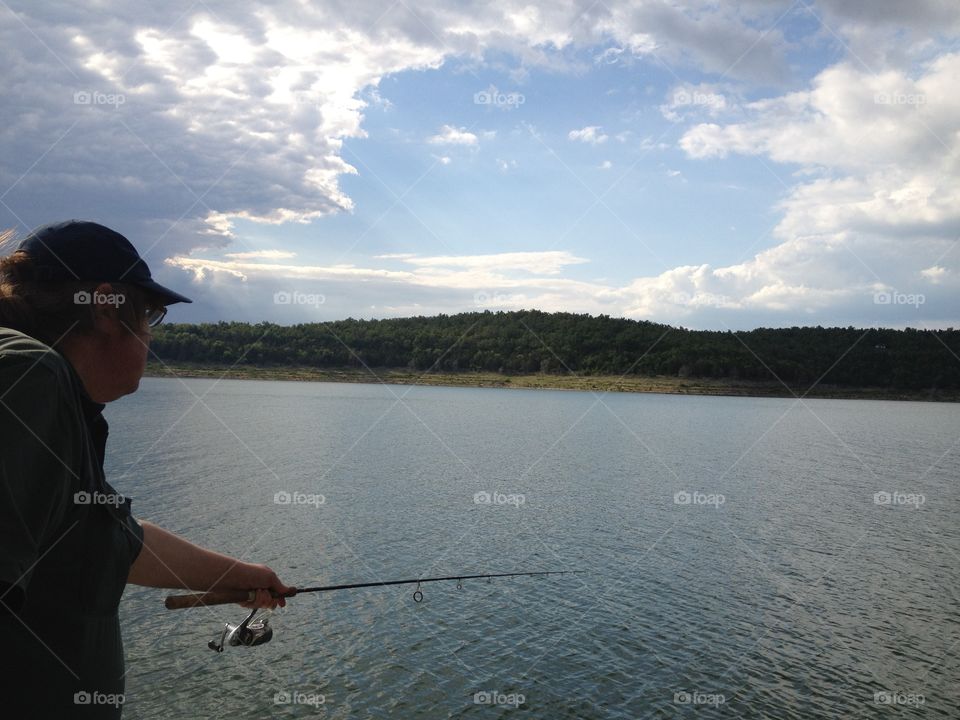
(213, 597)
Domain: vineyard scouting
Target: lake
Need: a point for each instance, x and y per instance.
(744, 557)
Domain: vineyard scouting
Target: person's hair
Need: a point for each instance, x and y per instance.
(52, 311)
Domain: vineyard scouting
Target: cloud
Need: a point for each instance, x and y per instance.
(686, 100)
(432, 270)
(261, 255)
(849, 119)
(172, 126)
(872, 212)
(432, 284)
(244, 269)
(918, 15)
(796, 282)
(741, 41)
(935, 274)
(609, 56)
(800, 281)
(876, 209)
(890, 34)
(450, 135)
(547, 263)
(883, 150)
(590, 134)
(174, 123)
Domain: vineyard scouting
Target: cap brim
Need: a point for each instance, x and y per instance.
(169, 296)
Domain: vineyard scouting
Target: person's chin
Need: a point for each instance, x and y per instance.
(126, 390)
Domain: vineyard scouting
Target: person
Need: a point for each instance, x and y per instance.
(77, 304)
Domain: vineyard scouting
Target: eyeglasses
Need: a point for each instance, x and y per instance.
(155, 315)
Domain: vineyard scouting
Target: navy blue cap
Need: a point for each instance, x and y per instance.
(88, 251)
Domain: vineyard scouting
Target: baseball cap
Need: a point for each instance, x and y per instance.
(88, 251)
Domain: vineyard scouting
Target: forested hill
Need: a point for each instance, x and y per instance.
(536, 342)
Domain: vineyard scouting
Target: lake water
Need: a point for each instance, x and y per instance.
(739, 562)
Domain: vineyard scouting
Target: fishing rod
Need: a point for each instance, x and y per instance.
(257, 631)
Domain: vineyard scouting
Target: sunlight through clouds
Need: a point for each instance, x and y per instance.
(594, 158)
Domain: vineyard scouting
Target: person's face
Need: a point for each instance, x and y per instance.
(132, 350)
(123, 349)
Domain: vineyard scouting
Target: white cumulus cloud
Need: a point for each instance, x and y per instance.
(450, 135)
(591, 134)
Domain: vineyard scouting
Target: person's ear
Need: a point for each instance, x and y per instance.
(105, 304)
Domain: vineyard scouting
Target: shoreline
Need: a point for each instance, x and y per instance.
(583, 383)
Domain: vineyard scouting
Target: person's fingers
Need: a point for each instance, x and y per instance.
(271, 591)
(272, 601)
(278, 586)
(261, 599)
(280, 589)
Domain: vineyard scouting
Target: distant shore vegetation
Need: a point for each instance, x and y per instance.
(539, 349)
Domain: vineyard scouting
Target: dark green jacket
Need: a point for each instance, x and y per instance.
(67, 541)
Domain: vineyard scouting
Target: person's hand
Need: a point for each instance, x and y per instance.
(267, 586)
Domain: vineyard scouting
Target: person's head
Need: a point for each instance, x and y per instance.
(84, 290)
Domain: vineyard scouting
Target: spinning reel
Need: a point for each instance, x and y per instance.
(248, 633)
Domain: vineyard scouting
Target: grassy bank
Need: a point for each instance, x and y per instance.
(602, 383)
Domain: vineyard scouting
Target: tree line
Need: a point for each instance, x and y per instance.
(530, 341)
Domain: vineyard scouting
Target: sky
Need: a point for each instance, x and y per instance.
(707, 165)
